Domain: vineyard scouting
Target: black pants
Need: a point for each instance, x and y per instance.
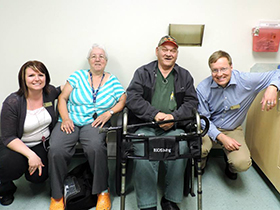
(13, 165)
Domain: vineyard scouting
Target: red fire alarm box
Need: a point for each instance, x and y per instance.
(266, 39)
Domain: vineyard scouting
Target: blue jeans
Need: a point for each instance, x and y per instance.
(146, 172)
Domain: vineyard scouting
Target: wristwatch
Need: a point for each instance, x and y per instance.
(111, 111)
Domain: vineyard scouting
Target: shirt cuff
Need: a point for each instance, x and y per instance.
(275, 85)
(213, 134)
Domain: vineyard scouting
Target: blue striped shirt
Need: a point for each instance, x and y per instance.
(227, 107)
(80, 104)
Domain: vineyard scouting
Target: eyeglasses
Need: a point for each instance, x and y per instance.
(216, 71)
(95, 57)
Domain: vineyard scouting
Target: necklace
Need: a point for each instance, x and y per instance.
(33, 106)
(95, 92)
(42, 121)
(44, 139)
(165, 81)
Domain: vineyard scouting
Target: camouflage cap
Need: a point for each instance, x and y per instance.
(168, 39)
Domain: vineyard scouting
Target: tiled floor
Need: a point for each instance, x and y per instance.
(249, 192)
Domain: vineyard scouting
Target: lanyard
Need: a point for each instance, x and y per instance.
(94, 93)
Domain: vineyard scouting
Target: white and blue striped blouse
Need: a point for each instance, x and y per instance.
(80, 104)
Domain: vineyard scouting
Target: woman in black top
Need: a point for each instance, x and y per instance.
(27, 118)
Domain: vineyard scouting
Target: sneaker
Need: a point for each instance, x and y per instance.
(57, 204)
(103, 201)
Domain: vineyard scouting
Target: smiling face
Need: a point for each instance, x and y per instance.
(97, 60)
(167, 55)
(221, 71)
(34, 79)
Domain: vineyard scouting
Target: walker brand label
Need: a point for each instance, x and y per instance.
(162, 150)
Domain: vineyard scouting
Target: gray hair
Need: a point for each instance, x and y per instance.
(95, 45)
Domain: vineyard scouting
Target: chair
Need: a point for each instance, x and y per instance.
(124, 151)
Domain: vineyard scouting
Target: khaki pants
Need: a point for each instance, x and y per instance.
(238, 160)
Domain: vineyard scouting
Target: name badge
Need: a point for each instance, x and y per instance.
(47, 104)
(235, 107)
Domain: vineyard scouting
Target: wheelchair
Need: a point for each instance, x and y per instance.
(160, 148)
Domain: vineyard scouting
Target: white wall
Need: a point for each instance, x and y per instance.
(60, 32)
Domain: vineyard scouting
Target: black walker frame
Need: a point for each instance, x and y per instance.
(124, 152)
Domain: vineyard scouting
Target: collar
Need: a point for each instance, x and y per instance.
(171, 72)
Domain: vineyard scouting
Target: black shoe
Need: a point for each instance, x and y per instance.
(168, 205)
(7, 190)
(229, 174)
(7, 199)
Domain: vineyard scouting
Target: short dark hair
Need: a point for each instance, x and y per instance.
(217, 55)
(36, 66)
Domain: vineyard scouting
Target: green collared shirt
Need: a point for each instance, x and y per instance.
(164, 97)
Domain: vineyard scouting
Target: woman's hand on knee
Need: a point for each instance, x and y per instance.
(67, 126)
(101, 120)
(34, 162)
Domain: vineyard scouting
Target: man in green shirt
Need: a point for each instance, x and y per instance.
(161, 90)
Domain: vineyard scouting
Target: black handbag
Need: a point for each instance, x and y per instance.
(78, 187)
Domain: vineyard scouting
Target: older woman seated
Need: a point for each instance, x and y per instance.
(88, 100)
